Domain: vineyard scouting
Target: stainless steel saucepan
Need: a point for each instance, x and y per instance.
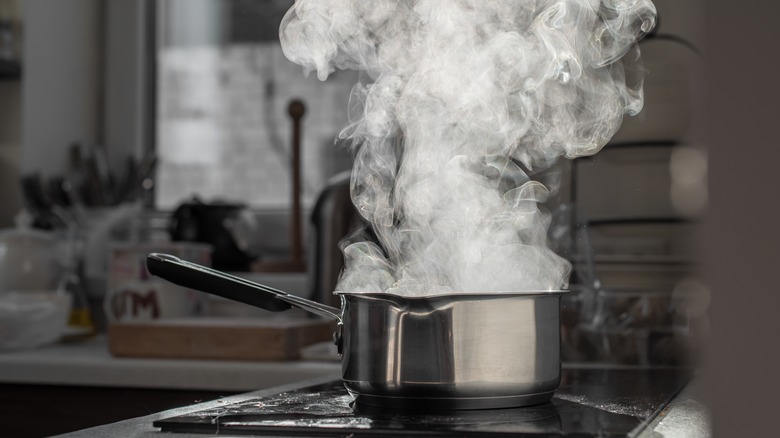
(454, 351)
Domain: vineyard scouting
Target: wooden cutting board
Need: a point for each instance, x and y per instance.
(218, 338)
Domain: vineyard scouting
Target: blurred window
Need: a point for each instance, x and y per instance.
(222, 89)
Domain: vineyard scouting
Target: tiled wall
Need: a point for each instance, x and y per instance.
(224, 131)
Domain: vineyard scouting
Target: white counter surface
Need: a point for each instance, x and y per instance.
(89, 363)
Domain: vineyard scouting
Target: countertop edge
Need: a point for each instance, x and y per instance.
(90, 364)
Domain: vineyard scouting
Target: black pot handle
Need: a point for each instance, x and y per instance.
(194, 276)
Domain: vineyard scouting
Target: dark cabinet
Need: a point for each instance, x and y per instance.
(45, 410)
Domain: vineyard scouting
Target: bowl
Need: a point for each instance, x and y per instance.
(30, 319)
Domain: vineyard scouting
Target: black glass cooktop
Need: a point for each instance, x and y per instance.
(590, 402)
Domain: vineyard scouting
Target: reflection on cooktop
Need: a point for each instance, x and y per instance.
(590, 402)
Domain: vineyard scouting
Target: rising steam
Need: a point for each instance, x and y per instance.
(465, 100)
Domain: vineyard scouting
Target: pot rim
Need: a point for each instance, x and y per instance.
(458, 294)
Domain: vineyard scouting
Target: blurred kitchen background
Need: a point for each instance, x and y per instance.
(134, 126)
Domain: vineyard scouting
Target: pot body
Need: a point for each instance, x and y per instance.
(452, 351)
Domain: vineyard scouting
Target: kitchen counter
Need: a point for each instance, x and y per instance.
(89, 363)
(68, 387)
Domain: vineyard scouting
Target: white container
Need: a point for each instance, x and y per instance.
(28, 260)
(30, 319)
(134, 295)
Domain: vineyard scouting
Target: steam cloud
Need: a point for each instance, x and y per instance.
(465, 101)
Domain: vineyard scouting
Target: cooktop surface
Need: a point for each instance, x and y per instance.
(590, 402)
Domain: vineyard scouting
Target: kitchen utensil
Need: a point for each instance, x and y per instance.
(127, 185)
(58, 192)
(104, 176)
(455, 351)
(144, 178)
(96, 190)
(39, 203)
